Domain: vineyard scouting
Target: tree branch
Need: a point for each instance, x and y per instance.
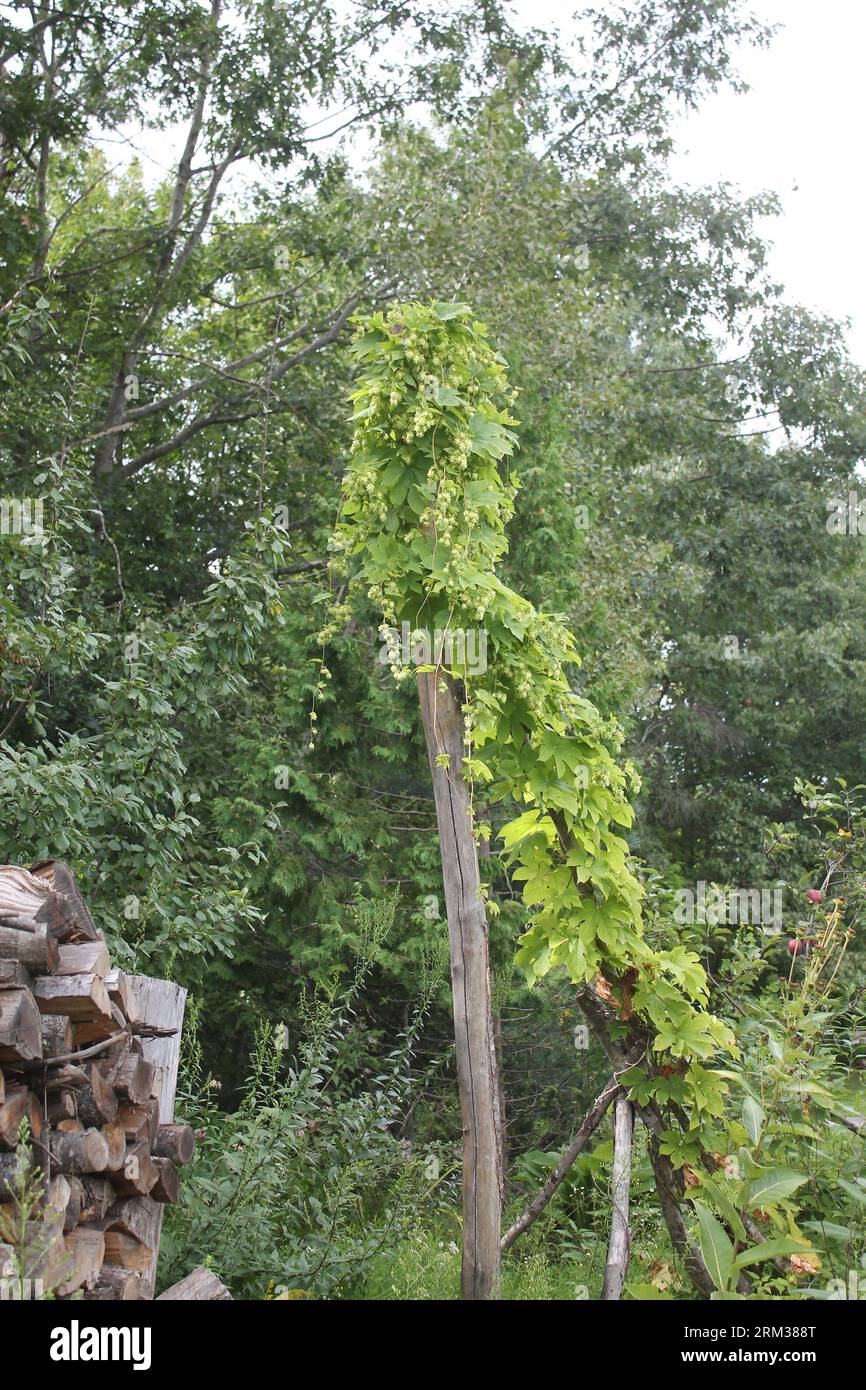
(586, 1129)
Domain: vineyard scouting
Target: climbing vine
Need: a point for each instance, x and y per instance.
(428, 494)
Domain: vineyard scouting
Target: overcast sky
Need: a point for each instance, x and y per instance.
(799, 131)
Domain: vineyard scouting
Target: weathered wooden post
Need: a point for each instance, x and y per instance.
(474, 1040)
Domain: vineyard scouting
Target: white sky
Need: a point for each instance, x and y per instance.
(799, 132)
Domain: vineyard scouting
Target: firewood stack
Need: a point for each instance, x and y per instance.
(88, 1056)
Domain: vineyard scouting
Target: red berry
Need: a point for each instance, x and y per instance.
(794, 946)
(814, 895)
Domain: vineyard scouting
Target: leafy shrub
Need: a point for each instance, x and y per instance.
(299, 1189)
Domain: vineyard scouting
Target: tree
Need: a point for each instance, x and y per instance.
(425, 505)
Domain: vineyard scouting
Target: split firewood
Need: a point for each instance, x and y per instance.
(124, 1250)
(72, 1211)
(79, 997)
(89, 958)
(115, 1138)
(86, 1247)
(15, 1168)
(132, 1078)
(12, 1112)
(20, 1033)
(95, 1030)
(134, 1216)
(76, 923)
(36, 951)
(20, 1104)
(37, 1233)
(116, 1284)
(201, 1286)
(56, 1035)
(120, 994)
(36, 1118)
(176, 1142)
(97, 1102)
(14, 975)
(70, 1126)
(73, 1036)
(141, 1122)
(41, 1254)
(66, 1075)
(116, 1050)
(167, 1185)
(24, 899)
(97, 1197)
(138, 1174)
(59, 1192)
(85, 1152)
(61, 1106)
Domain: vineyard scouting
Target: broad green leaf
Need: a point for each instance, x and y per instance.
(770, 1250)
(725, 1207)
(753, 1118)
(774, 1184)
(717, 1251)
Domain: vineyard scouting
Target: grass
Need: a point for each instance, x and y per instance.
(426, 1267)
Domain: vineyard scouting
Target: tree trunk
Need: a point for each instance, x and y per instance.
(477, 1074)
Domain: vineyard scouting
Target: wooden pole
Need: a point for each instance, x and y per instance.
(474, 1038)
(620, 1183)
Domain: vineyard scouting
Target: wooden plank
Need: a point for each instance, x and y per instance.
(160, 1004)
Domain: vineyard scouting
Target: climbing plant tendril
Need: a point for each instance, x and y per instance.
(427, 496)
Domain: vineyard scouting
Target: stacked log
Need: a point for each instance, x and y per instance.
(88, 1063)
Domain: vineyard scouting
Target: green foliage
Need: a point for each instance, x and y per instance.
(302, 1186)
(425, 508)
(30, 1266)
(174, 363)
